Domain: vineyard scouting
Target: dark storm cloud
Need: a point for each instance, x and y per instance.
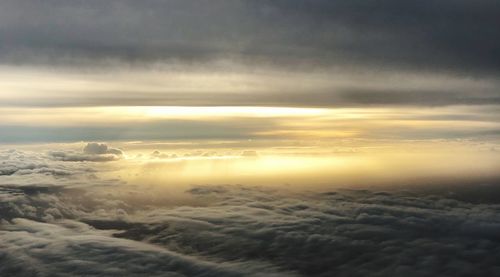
(453, 36)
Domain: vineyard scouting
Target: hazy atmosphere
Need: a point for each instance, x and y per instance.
(249, 138)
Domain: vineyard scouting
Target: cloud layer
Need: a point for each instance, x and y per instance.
(456, 36)
(232, 53)
(107, 228)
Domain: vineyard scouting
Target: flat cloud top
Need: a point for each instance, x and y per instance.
(253, 232)
(105, 228)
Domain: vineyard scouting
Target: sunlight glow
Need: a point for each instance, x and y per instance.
(176, 111)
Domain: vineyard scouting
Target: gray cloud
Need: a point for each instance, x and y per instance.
(453, 39)
(73, 249)
(35, 172)
(92, 152)
(391, 94)
(78, 157)
(449, 35)
(159, 155)
(343, 233)
(244, 231)
(454, 36)
(17, 163)
(154, 130)
(94, 148)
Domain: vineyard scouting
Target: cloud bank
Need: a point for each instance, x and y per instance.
(454, 36)
(250, 231)
(58, 229)
(260, 53)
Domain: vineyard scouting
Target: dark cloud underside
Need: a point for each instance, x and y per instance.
(452, 36)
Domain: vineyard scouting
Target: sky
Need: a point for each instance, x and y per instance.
(249, 138)
(424, 62)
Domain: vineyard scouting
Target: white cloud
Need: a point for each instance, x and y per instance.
(71, 248)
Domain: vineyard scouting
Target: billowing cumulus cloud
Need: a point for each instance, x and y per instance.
(92, 152)
(159, 155)
(94, 148)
